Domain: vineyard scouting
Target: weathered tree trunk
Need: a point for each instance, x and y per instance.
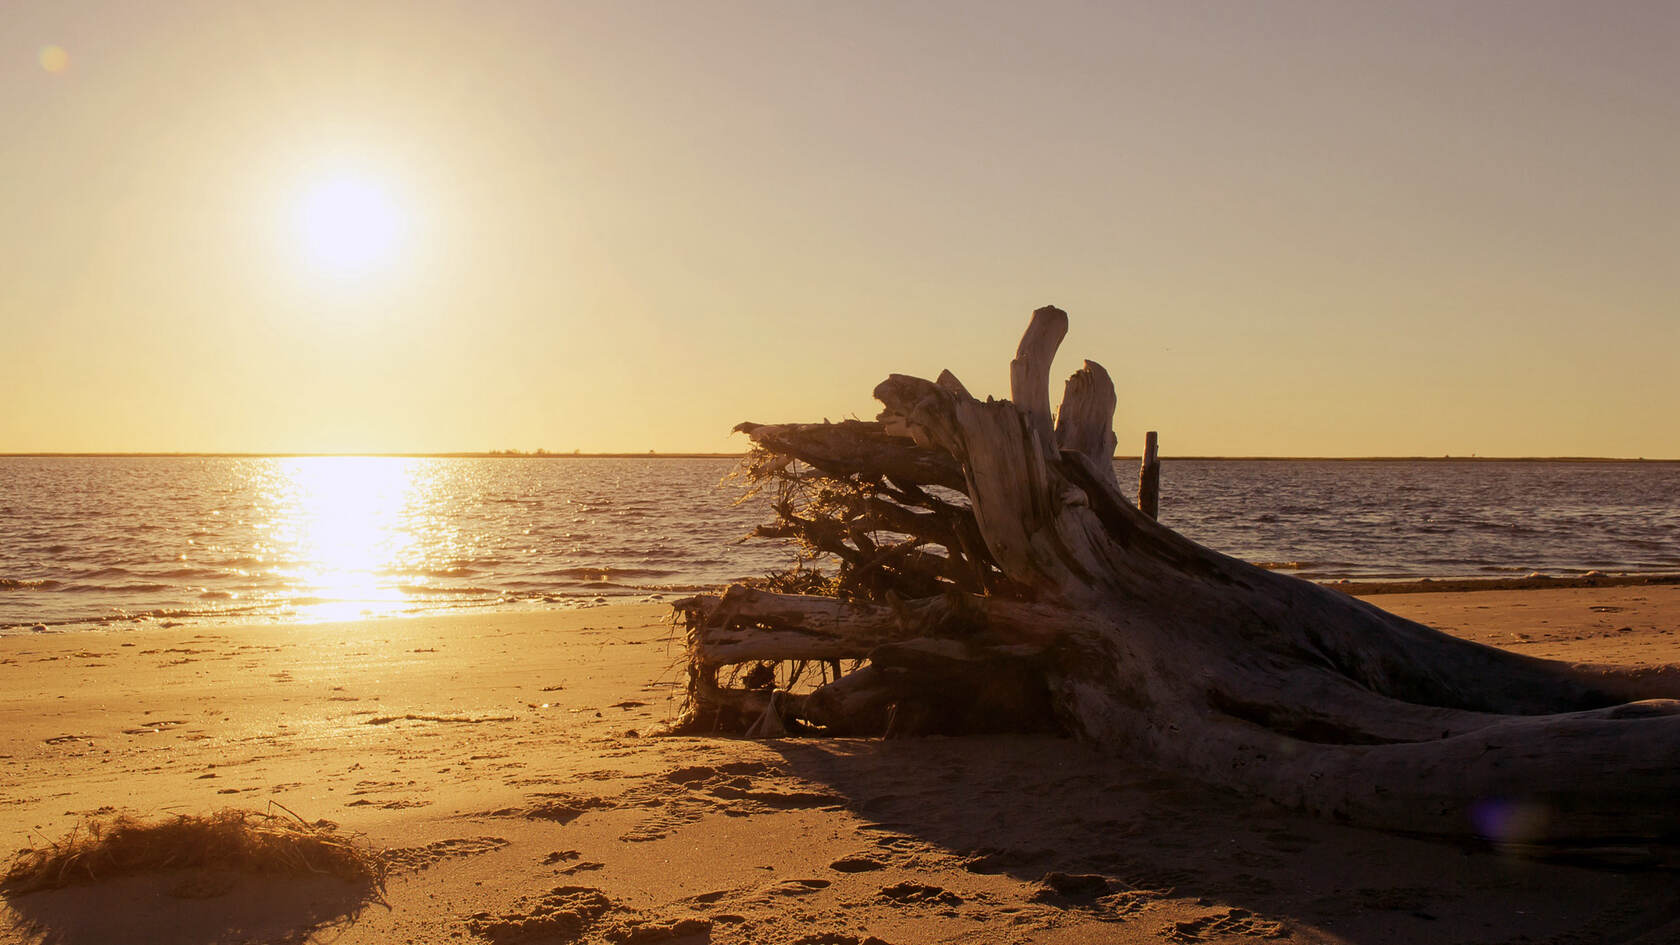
(1040, 596)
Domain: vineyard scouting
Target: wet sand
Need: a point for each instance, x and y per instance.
(500, 759)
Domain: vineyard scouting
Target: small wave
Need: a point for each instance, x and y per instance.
(184, 573)
(606, 573)
(459, 571)
(245, 563)
(455, 572)
(664, 554)
(27, 584)
(697, 588)
(141, 588)
(137, 588)
(544, 587)
(105, 573)
(1286, 565)
(73, 621)
(423, 590)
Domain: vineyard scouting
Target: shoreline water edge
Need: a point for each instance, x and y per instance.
(336, 612)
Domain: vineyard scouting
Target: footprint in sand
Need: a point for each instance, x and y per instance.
(564, 913)
(992, 860)
(414, 859)
(389, 805)
(1229, 922)
(565, 808)
(856, 864)
(907, 893)
(796, 887)
(690, 793)
(419, 717)
(568, 913)
(371, 787)
(153, 728)
(1073, 886)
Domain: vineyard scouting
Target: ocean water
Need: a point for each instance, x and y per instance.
(116, 539)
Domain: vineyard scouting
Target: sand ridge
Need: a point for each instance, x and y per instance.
(500, 759)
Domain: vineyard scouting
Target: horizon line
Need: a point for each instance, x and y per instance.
(656, 454)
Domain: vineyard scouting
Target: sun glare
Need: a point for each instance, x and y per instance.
(348, 523)
(349, 225)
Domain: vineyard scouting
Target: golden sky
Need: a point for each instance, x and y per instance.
(1287, 228)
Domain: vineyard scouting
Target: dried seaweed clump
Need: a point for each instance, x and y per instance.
(120, 844)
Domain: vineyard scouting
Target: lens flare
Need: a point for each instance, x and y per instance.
(54, 59)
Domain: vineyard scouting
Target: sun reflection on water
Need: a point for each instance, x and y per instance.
(348, 526)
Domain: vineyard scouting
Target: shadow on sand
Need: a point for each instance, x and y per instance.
(186, 908)
(1110, 840)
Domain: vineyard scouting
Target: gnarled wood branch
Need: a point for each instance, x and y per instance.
(1085, 613)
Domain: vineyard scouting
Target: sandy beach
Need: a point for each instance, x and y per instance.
(1082, 411)
(501, 761)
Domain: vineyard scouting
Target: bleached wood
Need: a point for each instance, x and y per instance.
(1085, 422)
(856, 446)
(1171, 653)
(1029, 373)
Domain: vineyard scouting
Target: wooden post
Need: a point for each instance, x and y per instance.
(1149, 478)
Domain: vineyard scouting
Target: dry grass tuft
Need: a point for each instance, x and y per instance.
(106, 846)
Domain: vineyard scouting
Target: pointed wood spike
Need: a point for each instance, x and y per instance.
(1029, 373)
(948, 381)
(1085, 422)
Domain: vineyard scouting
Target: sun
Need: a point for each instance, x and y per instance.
(349, 225)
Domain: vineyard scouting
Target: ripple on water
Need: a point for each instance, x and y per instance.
(117, 539)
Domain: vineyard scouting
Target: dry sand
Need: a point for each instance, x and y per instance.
(497, 757)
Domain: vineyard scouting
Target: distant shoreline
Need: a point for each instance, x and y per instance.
(655, 455)
(1534, 582)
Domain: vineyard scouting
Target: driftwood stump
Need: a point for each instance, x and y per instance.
(993, 576)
